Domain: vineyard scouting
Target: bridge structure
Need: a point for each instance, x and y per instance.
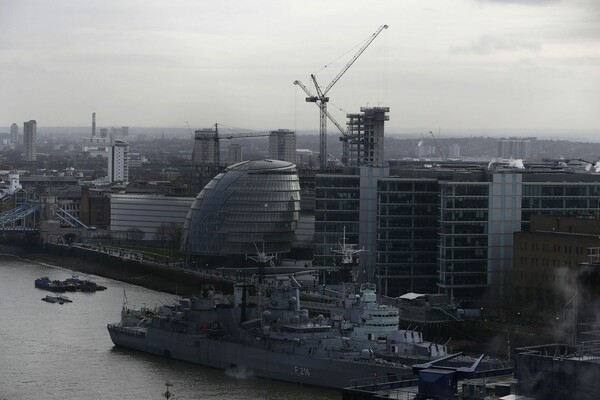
(23, 218)
(48, 220)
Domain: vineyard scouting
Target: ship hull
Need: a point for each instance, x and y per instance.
(248, 360)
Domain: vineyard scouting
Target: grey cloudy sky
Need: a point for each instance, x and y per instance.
(454, 64)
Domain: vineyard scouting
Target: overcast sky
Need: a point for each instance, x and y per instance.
(449, 64)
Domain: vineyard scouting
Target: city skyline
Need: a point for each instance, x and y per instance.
(474, 64)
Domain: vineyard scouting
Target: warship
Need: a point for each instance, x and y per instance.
(272, 339)
(372, 325)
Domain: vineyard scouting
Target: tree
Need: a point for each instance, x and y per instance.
(169, 233)
(134, 234)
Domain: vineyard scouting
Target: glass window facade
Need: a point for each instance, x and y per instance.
(463, 239)
(555, 198)
(251, 203)
(337, 206)
(407, 237)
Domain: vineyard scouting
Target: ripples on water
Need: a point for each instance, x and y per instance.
(53, 351)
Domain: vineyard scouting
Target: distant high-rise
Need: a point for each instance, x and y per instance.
(454, 150)
(282, 145)
(93, 125)
(120, 132)
(14, 133)
(30, 140)
(206, 147)
(103, 132)
(235, 153)
(366, 142)
(118, 161)
(517, 148)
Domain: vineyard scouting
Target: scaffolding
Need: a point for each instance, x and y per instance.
(365, 136)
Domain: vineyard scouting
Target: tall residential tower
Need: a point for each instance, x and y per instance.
(14, 133)
(282, 145)
(118, 161)
(30, 140)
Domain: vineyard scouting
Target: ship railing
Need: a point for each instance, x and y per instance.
(377, 383)
(128, 331)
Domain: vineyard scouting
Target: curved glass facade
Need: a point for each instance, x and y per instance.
(252, 202)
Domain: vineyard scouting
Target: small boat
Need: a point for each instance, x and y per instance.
(52, 286)
(81, 285)
(73, 284)
(57, 299)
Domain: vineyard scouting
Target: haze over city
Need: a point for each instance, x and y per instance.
(454, 65)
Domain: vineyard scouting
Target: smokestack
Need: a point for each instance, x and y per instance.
(93, 125)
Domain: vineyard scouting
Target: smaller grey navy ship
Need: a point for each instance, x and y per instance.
(278, 341)
(372, 325)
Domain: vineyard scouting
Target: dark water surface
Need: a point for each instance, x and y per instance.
(53, 351)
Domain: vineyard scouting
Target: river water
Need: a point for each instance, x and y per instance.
(53, 351)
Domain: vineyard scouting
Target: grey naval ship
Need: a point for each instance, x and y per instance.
(374, 326)
(272, 339)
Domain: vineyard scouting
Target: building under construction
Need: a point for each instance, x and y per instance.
(365, 139)
(206, 147)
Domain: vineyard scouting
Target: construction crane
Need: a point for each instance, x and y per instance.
(321, 99)
(437, 145)
(214, 136)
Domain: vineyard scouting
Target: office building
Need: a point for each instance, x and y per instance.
(146, 213)
(407, 235)
(14, 133)
(252, 205)
(282, 145)
(366, 136)
(30, 140)
(448, 229)
(118, 162)
(337, 210)
(546, 264)
(93, 125)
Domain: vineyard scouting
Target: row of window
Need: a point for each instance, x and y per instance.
(555, 248)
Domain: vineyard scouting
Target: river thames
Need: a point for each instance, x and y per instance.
(53, 351)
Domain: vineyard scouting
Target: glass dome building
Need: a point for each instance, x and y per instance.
(252, 204)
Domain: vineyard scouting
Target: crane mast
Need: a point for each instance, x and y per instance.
(321, 99)
(437, 146)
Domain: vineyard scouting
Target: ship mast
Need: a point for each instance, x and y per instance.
(348, 251)
(262, 258)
